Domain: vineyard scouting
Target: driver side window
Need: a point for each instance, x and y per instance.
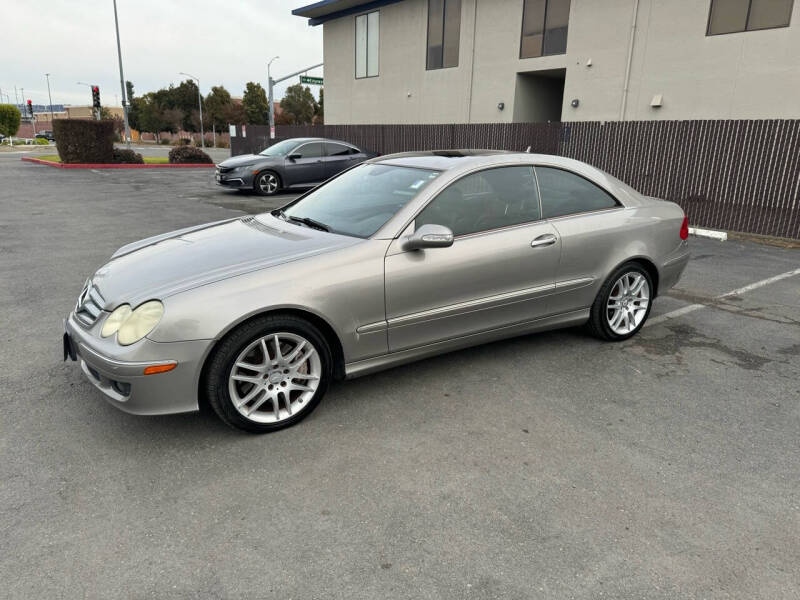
(489, 199)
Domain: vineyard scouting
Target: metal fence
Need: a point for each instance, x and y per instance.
(732, 175)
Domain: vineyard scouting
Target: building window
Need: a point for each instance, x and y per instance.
(444, 29)
(544, 28)
(367, 38)
(734, 16)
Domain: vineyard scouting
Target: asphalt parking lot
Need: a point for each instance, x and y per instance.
(548, 466)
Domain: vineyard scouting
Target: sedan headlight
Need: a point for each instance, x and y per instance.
(115, 320)
(132, 325)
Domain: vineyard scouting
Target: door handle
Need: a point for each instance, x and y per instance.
(548, 239)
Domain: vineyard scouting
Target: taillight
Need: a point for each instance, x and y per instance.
(685, 228)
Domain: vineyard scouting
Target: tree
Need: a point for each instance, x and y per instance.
(133, 115)
(255, 104)
(217, 106)
(299, 104)
(10, 119)
(235, 114)
(319, 115)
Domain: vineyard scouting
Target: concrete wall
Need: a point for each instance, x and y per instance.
(736, 76)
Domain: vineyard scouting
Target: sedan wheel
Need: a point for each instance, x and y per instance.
(275, 377)
(622, 304)
(267, 183)
(628, 303)
(269, 373)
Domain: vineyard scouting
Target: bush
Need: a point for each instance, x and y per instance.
(84, 140)
(41, 141)
(188, 155)
(122, 155)
(165, 141)
(10, 118)
(223, 144)
(182, 141)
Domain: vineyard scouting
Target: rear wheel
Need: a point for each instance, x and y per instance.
(267, 183)
(622, 304)
(268, 374)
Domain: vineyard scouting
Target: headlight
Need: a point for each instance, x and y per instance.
(115, 320)
(131, 326)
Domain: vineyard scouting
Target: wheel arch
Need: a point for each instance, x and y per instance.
(647, 264)
(325, 328)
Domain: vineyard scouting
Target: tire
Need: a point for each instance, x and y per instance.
(283, 388)
(267, 183)
(618, 314)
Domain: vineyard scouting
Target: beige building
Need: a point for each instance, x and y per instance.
(474, 61)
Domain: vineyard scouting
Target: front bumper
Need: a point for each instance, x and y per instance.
(234, 179)
(118, 371)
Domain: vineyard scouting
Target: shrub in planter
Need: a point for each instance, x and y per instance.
(123, 155)
(84, 141)
(41, 141)
(188, 155)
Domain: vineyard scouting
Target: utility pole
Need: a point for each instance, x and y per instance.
(271, 107)
(122, 82)
(200, 103)
(271, 84)
(52, 118)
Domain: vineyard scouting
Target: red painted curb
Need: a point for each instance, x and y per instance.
(49, 163)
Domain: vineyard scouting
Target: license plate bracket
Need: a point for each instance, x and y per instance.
(69, 348)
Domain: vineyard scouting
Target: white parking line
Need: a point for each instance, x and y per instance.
(737, 292)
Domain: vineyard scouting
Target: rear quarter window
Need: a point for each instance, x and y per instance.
(565, 193)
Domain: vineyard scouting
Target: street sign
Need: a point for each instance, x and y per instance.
(311, 80)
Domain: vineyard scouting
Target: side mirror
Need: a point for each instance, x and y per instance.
(294, 156)
(429, 236)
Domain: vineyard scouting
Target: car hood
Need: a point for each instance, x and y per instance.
(248, 159)
(170, 263)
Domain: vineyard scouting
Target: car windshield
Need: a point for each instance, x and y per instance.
(361, 200)
(280, 149)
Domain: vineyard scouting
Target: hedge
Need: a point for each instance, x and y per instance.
(188, 154)
(123, 155)
(84, 141)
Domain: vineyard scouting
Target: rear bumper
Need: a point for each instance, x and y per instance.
(118, 371)
(672, 268)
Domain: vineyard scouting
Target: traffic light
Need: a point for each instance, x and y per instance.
(30, 108)
(95, 96)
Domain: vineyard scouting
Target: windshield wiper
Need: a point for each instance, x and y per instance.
(310, 222)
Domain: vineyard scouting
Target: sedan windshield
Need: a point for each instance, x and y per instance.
(280, 149)
(360, 201)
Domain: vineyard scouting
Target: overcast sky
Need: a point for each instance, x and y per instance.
(221, 42)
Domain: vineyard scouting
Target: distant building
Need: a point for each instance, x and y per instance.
(473, 61)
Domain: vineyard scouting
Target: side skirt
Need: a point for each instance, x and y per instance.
(386, 361)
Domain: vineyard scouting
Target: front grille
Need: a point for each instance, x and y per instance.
(90, 305)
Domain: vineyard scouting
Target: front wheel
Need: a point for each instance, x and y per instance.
(622, 304)
(267, 183)
(268, 374)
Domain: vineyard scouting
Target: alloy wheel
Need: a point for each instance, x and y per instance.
(274, 377)
(627, 303)
(268, 183)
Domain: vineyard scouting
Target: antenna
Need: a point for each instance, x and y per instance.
(528, 150)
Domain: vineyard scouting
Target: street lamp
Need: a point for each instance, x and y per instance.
(200, 103)
(52, 118)
(269, 97)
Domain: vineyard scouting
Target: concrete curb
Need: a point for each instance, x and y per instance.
(115, 165)
(709, 233)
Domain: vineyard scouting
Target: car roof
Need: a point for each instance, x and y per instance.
(319, 139)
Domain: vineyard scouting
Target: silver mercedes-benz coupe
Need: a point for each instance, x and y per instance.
(399, 258)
